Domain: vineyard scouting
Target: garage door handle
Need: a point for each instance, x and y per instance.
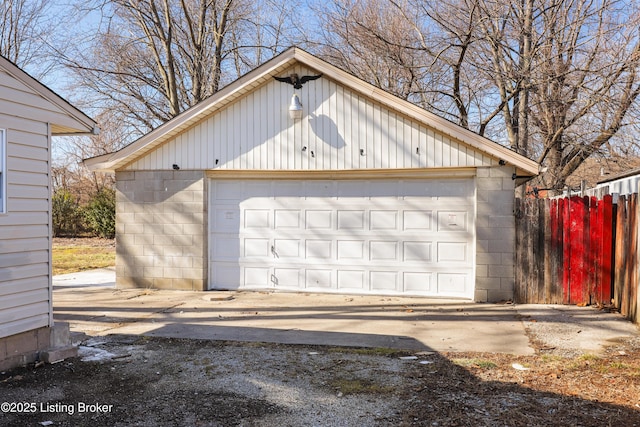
(273, 251)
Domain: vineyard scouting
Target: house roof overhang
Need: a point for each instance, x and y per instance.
(626, 174)
(75, 123)
(113, 161)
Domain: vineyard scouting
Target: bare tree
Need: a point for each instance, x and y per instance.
(26, 28)
(153, 59)
(423, 52)
(368, 41)
(555, 81)
(570, 69)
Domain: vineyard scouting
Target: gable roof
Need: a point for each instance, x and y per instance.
(75, 121)
(264, 73)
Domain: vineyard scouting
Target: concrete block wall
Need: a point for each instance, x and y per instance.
(161, 230)
(496, 234)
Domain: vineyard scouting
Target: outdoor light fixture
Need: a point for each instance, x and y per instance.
(295, 108)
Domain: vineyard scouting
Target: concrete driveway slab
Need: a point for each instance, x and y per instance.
(316, 319)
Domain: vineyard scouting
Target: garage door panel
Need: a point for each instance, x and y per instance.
(351, 220)
(256, 277)
(350, 250)
(256, 248)
(226, 218)
(380, 250)
(287, 190)
(320, 189)
(415, 281)
(385, 190)
(351, 189)
(226, 276)
(319, 220)
(226, 248)
(388, 237)
(453, 221)
(418, 251)
(287, 248)
(318, 249)
(318, 278)
(453, 284)
(257, 189)
(351, 280)
(256, 218)
(383, 220)
(384, 281)
(453, 252)
(417, 220)
(286, 218)
(227, 191)
(289, 278)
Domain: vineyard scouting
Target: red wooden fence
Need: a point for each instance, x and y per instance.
(578, 250)
(565, 247)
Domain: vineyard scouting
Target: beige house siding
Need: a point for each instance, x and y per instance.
(340, 130)
(24, 227)
(30, 114)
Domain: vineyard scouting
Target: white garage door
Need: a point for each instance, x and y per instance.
(412, 237)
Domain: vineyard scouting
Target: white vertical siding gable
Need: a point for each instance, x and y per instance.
(340, 130)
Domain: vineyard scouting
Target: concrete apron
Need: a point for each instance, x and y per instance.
(288, 318)
(293, 318)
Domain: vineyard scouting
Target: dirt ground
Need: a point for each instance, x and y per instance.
(122, 380)
(138, 381)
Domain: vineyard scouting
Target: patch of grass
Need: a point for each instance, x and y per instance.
(620, 365)
(71, 259)
(589, 357)
(475, 363)
(550, 358)
(359, 386)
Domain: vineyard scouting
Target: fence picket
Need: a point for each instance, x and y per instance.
(607, 250)
(632, 258)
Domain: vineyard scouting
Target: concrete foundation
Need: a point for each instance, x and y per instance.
(48, 344)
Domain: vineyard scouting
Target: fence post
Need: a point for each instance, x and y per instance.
(551, 234)
(636, 300)
(532, 238)
(620, 258)
(577, 243)
(557, 249)
(566, 250)
(607, 250)
(519, 276)
(596, 248)
(633, 256)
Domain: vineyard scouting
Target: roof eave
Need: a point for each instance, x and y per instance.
(85, 124)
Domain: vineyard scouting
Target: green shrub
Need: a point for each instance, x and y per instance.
(100, 213)
(65, 214)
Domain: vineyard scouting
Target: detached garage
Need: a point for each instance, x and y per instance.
(334, 186)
